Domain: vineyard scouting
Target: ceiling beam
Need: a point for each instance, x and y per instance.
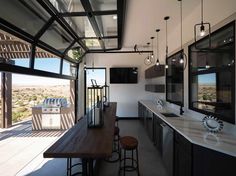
(121, 6)
(95, 13)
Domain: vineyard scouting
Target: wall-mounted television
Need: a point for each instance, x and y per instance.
(123, 75)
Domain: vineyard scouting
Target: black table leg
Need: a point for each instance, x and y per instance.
(84, 167)
(90, 167)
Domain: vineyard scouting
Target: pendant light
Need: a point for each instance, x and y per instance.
(166, 19)
(182, 54)
(157, 61)
(202, 26)
(148, 59)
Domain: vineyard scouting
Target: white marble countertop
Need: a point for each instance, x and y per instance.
(193, 130)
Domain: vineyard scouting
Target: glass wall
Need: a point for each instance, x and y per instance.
(13, 50)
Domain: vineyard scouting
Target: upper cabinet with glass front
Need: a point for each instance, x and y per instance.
(212, 75)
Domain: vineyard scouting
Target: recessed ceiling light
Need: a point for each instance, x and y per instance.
(114, 17)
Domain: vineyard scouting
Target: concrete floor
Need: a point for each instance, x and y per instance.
(24, 156)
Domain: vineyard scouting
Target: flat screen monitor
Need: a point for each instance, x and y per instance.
(123, 75)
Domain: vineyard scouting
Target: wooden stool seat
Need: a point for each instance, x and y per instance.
(128, 142)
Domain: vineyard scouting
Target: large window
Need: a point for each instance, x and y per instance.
(30, 91)
(212, 74)
(175, 79)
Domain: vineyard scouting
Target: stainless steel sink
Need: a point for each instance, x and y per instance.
(166, 114)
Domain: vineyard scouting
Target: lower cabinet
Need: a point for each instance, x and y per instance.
(182, 156)
(188, 159)
(207, 162)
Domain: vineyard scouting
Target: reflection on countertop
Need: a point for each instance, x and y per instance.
(193, 130)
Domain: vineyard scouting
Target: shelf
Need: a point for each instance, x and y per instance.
(155, 71)
(158, 88)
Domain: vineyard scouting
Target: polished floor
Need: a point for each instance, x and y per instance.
(22, 154)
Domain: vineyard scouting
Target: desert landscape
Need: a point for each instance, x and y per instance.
(206, 93)
(25, 97)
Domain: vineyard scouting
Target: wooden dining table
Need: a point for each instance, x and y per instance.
(89, 144)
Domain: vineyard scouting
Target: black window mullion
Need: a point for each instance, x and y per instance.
(61, 66)
(32, 56)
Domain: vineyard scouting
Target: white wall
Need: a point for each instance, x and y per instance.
(126, 95)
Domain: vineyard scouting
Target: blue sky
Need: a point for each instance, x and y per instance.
(97, 74)
(207, 79)
(52, 65)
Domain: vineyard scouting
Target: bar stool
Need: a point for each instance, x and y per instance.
(116, 147)
(129, 144)
(71, 166)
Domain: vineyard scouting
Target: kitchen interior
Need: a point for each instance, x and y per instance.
(169, 66)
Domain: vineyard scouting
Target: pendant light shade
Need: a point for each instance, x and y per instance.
(157, 59)
(166, 19)
(200, 31)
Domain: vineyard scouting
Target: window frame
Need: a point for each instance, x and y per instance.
(170, 101)
(213, 70)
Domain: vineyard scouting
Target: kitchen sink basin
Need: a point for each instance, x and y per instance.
(169, 114)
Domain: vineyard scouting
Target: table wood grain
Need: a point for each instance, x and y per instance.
(83, 142)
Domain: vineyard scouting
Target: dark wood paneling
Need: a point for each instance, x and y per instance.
(83, 142)
(160, 88)
(207, 162)
(155, 71)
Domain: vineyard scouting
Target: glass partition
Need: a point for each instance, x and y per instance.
(103, 5)
(81, 26)
(26, 15)
(68, 5)
(46, 61)
(111, 43)
(57, 37)
(92, 44)
(69, 68)
(13, 50)
(75, 52)
(107, 25)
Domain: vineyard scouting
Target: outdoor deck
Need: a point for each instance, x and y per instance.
(21, 150)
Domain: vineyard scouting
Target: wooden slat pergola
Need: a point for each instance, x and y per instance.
(14, 48)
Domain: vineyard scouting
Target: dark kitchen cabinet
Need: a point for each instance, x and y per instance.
(182, 156)
(149, 123)
(141, 110)
(207, 162)
(155, 71)
(157, 133)
(189, 159)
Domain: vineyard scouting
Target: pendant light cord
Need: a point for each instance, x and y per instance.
(157, 44)
(166, 41)
(202, 10)
(181, 25)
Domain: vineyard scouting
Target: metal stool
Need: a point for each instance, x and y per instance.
(70, 167)
(116, 147)
(129, 144)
